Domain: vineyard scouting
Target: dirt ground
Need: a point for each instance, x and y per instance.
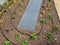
(11, 25)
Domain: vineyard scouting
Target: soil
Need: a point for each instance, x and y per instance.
(41, 39)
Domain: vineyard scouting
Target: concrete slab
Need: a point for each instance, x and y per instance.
(2, 1)
(57, 5)
(30, 16)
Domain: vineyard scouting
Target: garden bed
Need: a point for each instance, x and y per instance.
(47, 30)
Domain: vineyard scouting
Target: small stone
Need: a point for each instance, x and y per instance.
(9, 7)
(48, 43)
(44, 31)
(55, 38)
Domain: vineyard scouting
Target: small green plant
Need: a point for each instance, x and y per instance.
(33, 35)
(6, 42)
(55, 27)
(24, 42)
(7, 30)
(14, 12)
(49, 16)
(49, 36)
(17, 36)
(12, 18)
(20, 8)
(41, 21)
(49, 0)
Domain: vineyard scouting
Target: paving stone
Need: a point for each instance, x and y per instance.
(30, 16)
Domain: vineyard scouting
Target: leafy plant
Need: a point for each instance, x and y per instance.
(14, 1)
(7, 3)
(33, 35)
(24, 42)
(49, 5)
(14, 12)
(6, 42)
(20, 8)
(55, 28)
(1, 12)
(42, 21)
(49, 16)
(17, 36)
(49, 36)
